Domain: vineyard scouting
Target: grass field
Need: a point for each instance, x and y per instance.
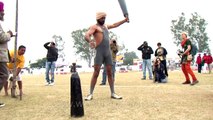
(142, 99)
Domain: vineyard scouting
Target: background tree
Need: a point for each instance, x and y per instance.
(196, 29)
(122, 49)
(112, 36)
(82, 47)
(60, 46)
(128, 58)
(39, 64)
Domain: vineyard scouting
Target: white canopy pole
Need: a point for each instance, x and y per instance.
(15, 51)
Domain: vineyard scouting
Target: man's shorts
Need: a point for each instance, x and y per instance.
(18, 78)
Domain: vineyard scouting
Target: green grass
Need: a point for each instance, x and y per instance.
(142, 99)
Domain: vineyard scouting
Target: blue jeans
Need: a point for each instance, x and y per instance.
(147, 64)
(50, 66)
(104, 75)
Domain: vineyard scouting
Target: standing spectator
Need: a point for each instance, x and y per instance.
(103, 52)
(20, 61)
(185, 64)
(199, 63)
(209, 61)
(146, 56)
(52, 56)
(204, 58)
(114, 51)
(4, 53)
(161, 53)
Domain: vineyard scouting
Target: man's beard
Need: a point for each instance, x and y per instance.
(101, 22)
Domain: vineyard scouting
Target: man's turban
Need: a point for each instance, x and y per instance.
(99, 15)
(1, 6)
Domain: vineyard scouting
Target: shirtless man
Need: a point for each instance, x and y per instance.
(103, 53)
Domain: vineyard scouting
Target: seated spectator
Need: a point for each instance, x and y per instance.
(159, 71)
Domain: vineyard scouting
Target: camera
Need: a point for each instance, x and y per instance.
(179, 52)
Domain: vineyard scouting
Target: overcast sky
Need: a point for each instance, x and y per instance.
(150, 21)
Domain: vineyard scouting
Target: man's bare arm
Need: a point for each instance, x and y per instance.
(117, 23)
(89, 33)
(187, 50)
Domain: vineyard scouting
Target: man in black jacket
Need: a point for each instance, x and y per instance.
(146, 56)
(52, 56)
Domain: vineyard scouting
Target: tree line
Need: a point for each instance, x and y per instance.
(194, 26)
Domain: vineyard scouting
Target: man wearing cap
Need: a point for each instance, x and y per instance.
(146, 56)
(4, 53)
(103, 53)
(52, 56)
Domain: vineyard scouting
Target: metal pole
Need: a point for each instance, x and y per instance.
(15, 57)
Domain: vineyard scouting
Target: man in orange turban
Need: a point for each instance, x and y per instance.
(99, 15)
(103, 53)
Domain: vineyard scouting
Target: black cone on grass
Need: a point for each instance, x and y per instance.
(77, 108)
